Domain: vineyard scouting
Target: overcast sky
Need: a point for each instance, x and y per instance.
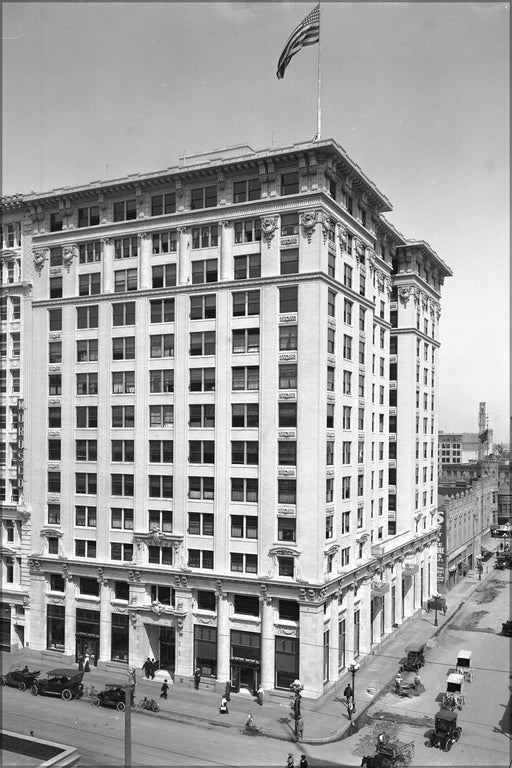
(416, 93)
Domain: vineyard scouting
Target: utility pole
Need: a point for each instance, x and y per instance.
(129, 692)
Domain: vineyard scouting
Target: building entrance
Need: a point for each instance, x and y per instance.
(243, 676)
(90, 644)
(167, 654)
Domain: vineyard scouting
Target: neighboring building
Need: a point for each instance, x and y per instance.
(462, 447)
(466, 511)
(495, 468)
(15, 518)
(233, 374)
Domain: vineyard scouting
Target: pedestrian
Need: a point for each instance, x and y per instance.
(299, 727)
(303, 762)
(197, 678)
(380, 739)
(80, 663)
(227, 691)
(418, 685)
(259, 695)
(398, 683)
(92, 659)
(350, 707)
(444, 608)
(154, 666)
(87, 667)
(147, 668)
(223, 709)
(132, 676)
(164, 689)
(348, 692)
(290, 762)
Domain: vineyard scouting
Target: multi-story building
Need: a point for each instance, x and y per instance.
(233, 375)
(15, 518)
(493, 467)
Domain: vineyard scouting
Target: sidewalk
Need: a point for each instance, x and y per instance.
(322, 723)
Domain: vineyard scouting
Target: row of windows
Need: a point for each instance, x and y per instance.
(10, 308)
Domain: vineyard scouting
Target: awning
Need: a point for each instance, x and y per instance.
(490, 547)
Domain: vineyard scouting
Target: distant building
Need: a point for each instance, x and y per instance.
(498, 470)
(462, 447)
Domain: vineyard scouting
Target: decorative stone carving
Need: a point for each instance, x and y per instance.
(268, 228)
(105, 240)
(308, 221)
(40, 255)
(380, 280)
(68, 254)
(327, 226)
(66, 575)
(342, 235)
(134, 576)
(265, 597)
(359, 248)
(143, 235)
(404, 294)
(133, 618)
(34, 565)
(102, 579)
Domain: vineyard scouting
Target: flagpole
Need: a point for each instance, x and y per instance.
(319, 106)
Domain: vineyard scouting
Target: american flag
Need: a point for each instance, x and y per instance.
(307, 33)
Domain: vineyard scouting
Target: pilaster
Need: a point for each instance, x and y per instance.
(70, 617)
(333, 638)
(311, 617)
(105, 622)
(349, 627)
(365, 590)
(387, 602)
(184, 633)
(223, 637)
(226, 250)
(144, 261)
(37, 618)
(183, 259)
(267, 643)
(399, 617)
(107, 262)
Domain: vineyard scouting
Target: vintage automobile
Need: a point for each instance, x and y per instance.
(506, 628)
(112, 696)
(63, 682)
(463, 666)
(446, 731)
(395, 753)
(415, 658)
(504, 560)
(455, 695)
(19, 677)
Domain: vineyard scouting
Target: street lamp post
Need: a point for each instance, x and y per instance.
(353, 669)
(435, 606)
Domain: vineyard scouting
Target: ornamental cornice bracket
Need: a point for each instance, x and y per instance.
(268, 228)
(134, 575)
(342, 235)
(102, 579)
(404, 294)
(283, 552)
(50, 533)
(264, 596)
(327, 225)
(308, 221)
(331, 550)
(181, 580)
(40, 255)
(69, 252)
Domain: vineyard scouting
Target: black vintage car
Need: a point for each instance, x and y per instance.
(415, 658)
(112, 696)
(19, 677)
(63, 682)
(506, 628)
(446, 731)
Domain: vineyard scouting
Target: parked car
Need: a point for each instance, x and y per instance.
(506, 628)
(19, 677)
(63, 682)
(112, 696)
(446, 731)
(415, 658)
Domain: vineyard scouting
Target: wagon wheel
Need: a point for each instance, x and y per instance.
(22, 686)
(66, 694)
(34, 690)
(409, 751)
(448, 746)
(120, 706)
(95, 701)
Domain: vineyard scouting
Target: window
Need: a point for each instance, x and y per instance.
(55, 257)
(89, 252)
(329, 489)
(288, 299)
(89, 284)
(200, 524)
(161, 520)
(249, 189)
(202, 307)
(331, 341)
(86, 416)
(204, 271)
(285, 566)
(161, 380)
(245, 378)
(345, 556)
(85, 548)
(161, 416)
(330, 378)
(347, 347)
(56, 220)
(246, 303)
(201, 451)
(362, 285)
(54, 417)
(125, 280)
(201, 488)
(53, 482)
(54, 384)
(330, 416)
(201, 415)
(286, 491)
(160, 486)
(164, 242)
(123, 348)
(290, 183)
(346, 452)
(347, 312)
(361, 215)
(85, 482)
(205, 237)
(247, 266)
(87, 350)
(123, 416)
(244, 563)
(347, 382)
(15, 381)
(287, 416)
(203, 197)
(345, 522)
(244, 452)
(244, 489)
(162, 311)
(361, 385)
(89, 217)
(202, 343)
(286, 529)
(123, 314)
(122, 450)
(163, 204)
(331, 263)
(55, 319)
(87, 383)
(124, 210)
(248, 231)
(121, 591)
(246, 340)
(206, 600)
(86, 450)
(202, 380)
(245, 415)
(347, 416)
(382, 338)
(162, 345)
(345, 487)
(122, 552)
(287, 453)
(290, 261)
(200, 558)
(347, 275)
(160, 555)
(288, 376)
(163, 275)
(87, 316)
(85, 517)
(55, 287)
(53, 514)
(56, 583)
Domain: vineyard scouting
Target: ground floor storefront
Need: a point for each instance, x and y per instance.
(249, 633)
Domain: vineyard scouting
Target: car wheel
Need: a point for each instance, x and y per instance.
(95, 701)
(447, 746)
(23, 686)
(3, 681)
(120, 706)
(66, 694)
(33, 690)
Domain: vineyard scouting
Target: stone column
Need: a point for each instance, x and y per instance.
(13, 639)
(70, 618)
(105, 622)
(184, 633)
(36, 620)
(365, 590)
(144, 260)
(136, 631)
(398, 592)
(226, 267)
(267, 643)
(183, 255)
(107, 265)
(417, 587)
(223, 638)
(311, 648)
(349, 626)
(333, 638)
(387, 602)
